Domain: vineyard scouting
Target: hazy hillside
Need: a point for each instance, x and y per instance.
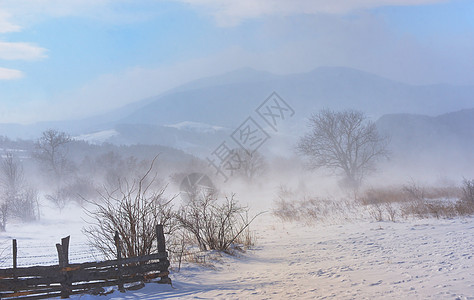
(227, 99)
(444, 142)
(238, 92)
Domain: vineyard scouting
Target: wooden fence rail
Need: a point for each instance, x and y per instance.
(65, 279)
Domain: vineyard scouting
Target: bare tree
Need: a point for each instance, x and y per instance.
(52, 151)
(252, 165)
(343, 141)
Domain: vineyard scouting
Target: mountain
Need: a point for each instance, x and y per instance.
(199, 114)
(229, 99)
(443, 143)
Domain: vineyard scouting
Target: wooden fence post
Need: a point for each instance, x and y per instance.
(118, 247)
(15, 253)
(161, 243)
(63, 257)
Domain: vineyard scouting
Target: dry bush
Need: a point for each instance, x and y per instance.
(391, 211)
(25, 206)
(466, 204)
(468, 191)
(414, 200)
(79, 189)
(463, 208)
(322, 208)
(376, 211)
(59, 198)
(134, 210)
(430, 208)
(17, 198)
(289, 208)
(213, 224)
(286, 210)
(414, 192)
(247, 238)
(443, 192)
(382, 195)
(286, 207)
(438, 202)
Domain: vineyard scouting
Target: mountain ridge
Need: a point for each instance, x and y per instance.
(228, 99)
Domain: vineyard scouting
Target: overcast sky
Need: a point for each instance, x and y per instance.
(73, 58)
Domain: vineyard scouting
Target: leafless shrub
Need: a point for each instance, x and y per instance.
(289, 208)
(79, 189)
(391, 211)
(464, 208)
(468, 191)
(466, 204)
(247, 238)
(376, 211)
(442, 209)
(59, 198)
(382, 195)
(415, 200)
(214, 225)
(17, 199)
(414, 192)
(25, 206)
(430, 208)
(286, 207)
(443, 192)
(316, 208)
(134, 210)
(414, 208)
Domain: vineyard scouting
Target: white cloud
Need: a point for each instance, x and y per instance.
(29, 12)
(115, 90)
(21, 51)
(231, 12)
(226, 12)
(58, 8)
(8, 74)
(6, 25)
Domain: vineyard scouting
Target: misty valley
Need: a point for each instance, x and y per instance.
(222, 193)
(253, 149)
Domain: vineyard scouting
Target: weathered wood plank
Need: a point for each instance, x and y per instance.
(46, 270)
(29, 271)
(35, 296)
(44, 292)
(81, 275)
(39, 290)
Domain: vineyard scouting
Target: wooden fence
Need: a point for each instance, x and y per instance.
(65, 279)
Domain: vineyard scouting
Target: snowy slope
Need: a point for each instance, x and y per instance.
(412, 259)
(428, 259)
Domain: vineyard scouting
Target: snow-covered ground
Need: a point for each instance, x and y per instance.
(410, 259)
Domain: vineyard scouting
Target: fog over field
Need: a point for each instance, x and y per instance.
(289, 149)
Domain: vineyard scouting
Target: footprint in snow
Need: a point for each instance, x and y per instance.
(376, 283)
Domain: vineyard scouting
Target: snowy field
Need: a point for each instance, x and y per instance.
(411, 259)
